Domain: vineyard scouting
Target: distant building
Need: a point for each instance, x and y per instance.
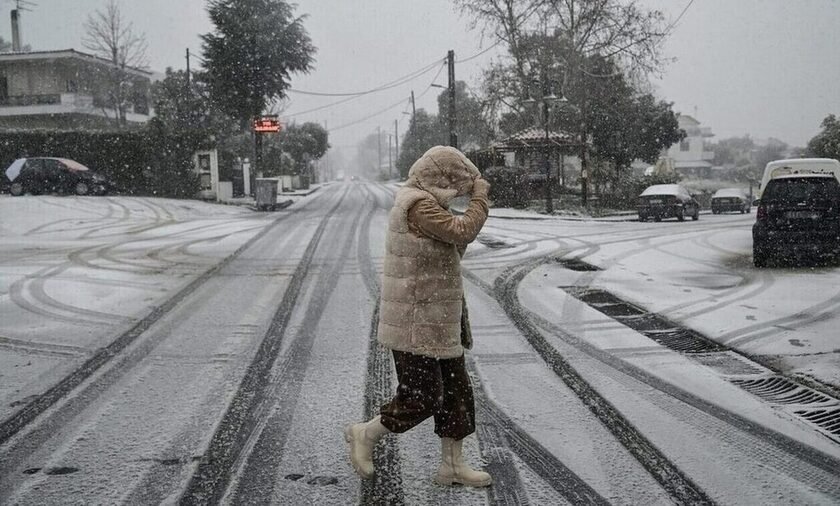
(690, 155)
(66, 90)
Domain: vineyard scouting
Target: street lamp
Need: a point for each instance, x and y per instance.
(548, 98)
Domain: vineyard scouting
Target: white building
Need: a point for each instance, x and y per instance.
(67, 90)
(690, 155)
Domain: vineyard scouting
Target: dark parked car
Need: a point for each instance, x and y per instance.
(667, 201)
(797, 214)
(730, 200)
(47, 175)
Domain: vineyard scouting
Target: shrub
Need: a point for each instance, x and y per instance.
(508, 186)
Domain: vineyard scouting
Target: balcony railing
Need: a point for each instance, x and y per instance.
(24, 100)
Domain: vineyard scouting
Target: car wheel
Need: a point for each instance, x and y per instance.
(696, 215)
(749, 210)
(657, 218)
(680, 214)
(642, 218)
(82, 188)
(16, 189)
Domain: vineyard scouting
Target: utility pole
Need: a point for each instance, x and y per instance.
(188, 68)
(327, 167)
(378, 150)
(584, 153)
(453, 137)
(396, 142)
(390, 165)
(549, 204)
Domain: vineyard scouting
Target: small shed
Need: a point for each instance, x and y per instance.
(530, 147)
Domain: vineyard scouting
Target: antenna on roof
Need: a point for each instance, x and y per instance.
(24, 5)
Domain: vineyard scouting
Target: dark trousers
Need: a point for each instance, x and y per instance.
(431, 387)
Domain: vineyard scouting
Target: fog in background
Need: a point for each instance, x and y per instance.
(764, 68)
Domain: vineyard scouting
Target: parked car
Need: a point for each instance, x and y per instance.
(730, 200)
(667, 201)
(797, 214)
(47, 175)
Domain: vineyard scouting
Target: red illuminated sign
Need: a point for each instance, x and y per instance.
(267, 124)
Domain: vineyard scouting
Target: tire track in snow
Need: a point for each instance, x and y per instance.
(679, 486)
(258, 470)
(386, 485)
(212, 476)
(504, 290)
(108, 354)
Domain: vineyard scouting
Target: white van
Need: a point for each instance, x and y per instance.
(791, 166)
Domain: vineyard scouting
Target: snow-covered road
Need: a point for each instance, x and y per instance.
(161, 351)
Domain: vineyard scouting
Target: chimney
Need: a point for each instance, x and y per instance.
(16, 47)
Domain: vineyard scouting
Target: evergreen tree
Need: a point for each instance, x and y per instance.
(424, 132)
(251, 54)
(826, 144)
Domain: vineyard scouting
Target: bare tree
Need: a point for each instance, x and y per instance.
(110, 37)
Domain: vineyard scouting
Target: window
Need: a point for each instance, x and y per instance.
(685, 145)
(71, 86)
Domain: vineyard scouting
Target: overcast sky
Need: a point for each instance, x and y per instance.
(759, 67)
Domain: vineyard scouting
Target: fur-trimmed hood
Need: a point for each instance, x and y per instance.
(444, 172)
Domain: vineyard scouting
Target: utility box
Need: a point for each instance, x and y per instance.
(266, 194)
(225, 192)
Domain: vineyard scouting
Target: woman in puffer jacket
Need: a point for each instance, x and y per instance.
(423, 317)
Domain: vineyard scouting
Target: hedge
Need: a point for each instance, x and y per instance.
(150, 161)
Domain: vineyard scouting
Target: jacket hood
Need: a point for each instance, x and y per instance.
(444, 172)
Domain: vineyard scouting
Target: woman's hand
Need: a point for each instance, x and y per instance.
(481, 187)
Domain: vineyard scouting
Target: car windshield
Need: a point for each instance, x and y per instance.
(822, 190)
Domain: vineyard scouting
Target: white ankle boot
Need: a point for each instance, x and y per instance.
(453, 469)
(362, 438)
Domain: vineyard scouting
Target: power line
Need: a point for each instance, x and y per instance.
(377, 113)
(391, 84)
(479, 53)
(685, 9)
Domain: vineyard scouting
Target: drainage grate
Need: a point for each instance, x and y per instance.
(684, 340)
(781, 390)
(816, 408)
(826, 419)
(619, 309)
(729, 363)
(649, 324)
(576, 264)
(658, 328)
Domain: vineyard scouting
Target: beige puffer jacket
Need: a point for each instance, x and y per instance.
(422, 293)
